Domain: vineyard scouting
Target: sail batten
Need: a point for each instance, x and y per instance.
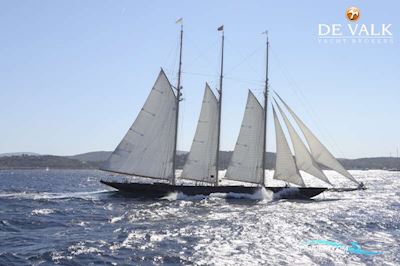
(285, 166)
(246, 161)
(147, 148)
(303, 158)
(201, 162)
(318, 151)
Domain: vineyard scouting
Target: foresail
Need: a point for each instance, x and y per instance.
(318, 151)
(246, 161)
(303, 158)
(147, 148)
(285, 167)
(201, 162)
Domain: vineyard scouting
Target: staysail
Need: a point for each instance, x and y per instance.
(201, 162)
(318, 151)
(285, 167)
(148, 147)
(303, 158)
(246, 161)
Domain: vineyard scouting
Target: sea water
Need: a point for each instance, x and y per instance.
(67, 217)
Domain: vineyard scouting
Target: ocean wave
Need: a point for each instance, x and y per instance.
(81, 248)
(116, 219)
(198, 229)
(50, 195)
(285, 193)
(42, 212)
(260, 194)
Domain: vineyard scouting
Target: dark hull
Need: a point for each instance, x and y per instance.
(344, 189)
(361, 186)
(159, 190)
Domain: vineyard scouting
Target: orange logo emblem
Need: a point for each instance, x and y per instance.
(353, 13)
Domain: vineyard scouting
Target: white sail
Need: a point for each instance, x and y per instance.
(201, 162)
(318, 151)
(148, 146)
(303, 158)
(246, 161)
(285, 167)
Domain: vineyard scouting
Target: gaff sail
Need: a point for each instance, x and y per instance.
(147, 149)
(201, 162)
(246, 162)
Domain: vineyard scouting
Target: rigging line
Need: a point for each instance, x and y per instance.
(176, 57)
(243, 56)
(170, 72)
(253, 82)
(199, 74)
(244, 60)
(171, 57)
(243, 79)
(202, 53)
(317, 121)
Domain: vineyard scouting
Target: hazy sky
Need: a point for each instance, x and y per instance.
(74, 74)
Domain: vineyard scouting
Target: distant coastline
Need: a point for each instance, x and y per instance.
(93, 160)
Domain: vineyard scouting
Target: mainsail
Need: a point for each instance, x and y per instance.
(318, 151)
(246, 161)
(201, 162)
(148, 147)
(285, 167)
(304, 160)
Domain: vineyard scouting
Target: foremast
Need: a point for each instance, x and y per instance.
(178, 99)
(221, 77)
(265, 113)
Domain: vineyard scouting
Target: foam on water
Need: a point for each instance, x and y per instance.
(117, 219)
(260, 194)
(42, 211)
(286, 193)
(50, 196)
(61, 228)
(181, 196)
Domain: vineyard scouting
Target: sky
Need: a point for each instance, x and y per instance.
(74, 74)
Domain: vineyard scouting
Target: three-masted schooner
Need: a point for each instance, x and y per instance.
(149, 147)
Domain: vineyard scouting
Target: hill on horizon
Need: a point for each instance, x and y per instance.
(92, 160)
(7, 154)
(94, 156)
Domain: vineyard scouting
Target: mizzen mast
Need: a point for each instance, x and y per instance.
(221, 77)
(265, 112)
(178, 99)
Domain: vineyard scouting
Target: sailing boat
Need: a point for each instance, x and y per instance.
(149, 147)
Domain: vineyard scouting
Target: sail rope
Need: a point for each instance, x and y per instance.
(202, 53)
(245, 58)
(248, 81)
(205, 52)
(172, 58)
(308, 107)
(258, 83)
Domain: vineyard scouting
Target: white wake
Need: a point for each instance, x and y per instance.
(261, 194)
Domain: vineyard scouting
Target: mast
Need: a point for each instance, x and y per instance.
(178, 99)
(265, 112)
(221, 76)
